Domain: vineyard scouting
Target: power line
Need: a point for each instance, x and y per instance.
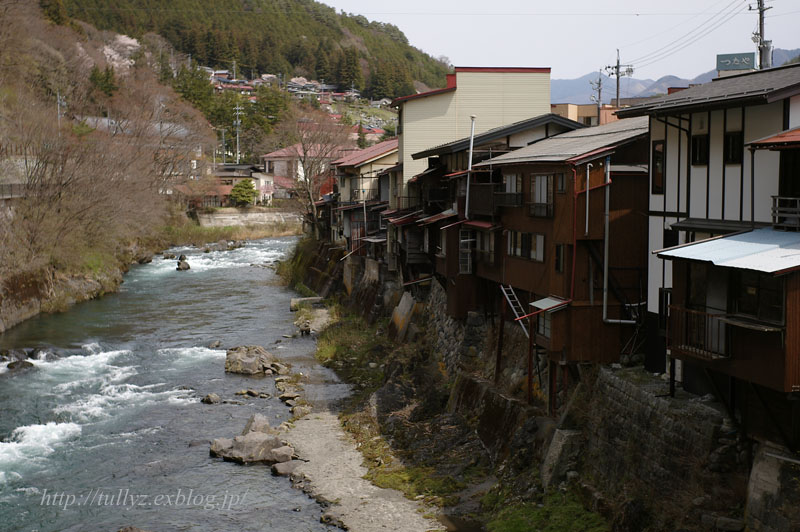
(688, 35)
(668, 53)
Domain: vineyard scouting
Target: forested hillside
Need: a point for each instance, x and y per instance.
(291, 37)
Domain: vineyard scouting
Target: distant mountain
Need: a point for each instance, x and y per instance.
(580, 91)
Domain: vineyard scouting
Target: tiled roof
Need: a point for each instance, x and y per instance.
(360, 157)
(761, 86)
(573, 145)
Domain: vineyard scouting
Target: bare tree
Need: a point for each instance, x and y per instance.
(318, 141)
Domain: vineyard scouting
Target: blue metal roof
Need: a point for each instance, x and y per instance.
(764, 250)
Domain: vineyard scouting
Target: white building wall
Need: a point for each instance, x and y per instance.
(794, 112)
(496, 98)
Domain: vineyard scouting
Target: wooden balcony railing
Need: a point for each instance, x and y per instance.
(697, 334)
(486, 198)
(786, 213)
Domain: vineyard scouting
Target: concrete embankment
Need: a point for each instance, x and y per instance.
(226, 217)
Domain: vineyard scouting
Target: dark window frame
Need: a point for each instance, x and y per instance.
(733, 147)
(657, 173)
(701, 147)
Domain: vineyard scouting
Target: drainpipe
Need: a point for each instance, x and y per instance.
(469, 165)
(588, 167)
(606, 238)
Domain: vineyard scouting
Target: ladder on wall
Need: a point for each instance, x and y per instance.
(515, 305)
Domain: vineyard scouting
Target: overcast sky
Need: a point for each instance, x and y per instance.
(575, 37)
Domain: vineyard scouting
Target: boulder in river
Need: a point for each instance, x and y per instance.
(251, 448)
(284, 469)
(215, 344)
(211, 399)
(182, 266)
(248, 360)
(20, 365)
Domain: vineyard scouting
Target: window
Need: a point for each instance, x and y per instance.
(561, 183)
(271, 167)
(657, 173)
(733, 147)
(526, 245)
(441, 249)
(757, 295)
(485, 246)
(543, 324)
(664, 301)
(559, 258)
(541, 203)
(513, 183)
(699, 149)
(670, 238)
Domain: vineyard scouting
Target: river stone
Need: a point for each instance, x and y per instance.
(254, 447)
(287, 396)
(220, 445)
(248, 359)
(20, 365)
(182, 266)
(279, 368)
(282, 454)
(215, 344)
(257, 423)
(210, 399)
(284, 469)
(301, 411)
(131, 529)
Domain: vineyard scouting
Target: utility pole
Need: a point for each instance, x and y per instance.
(60, 102)
(764, 46)
(597, 86)
(237, 111)
(616, 70)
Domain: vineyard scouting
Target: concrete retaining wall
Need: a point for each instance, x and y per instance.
(248, 217)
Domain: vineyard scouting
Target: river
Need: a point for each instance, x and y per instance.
(107, 430)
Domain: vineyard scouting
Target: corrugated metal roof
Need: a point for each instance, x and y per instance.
(449, 213)
(361, 157)
(761, 85)
(573, 144)
(763, 250)
(550, 304)
(499, 133)
(785, 139)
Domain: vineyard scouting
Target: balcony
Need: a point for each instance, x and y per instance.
(364, 194)
(786, 213)
(487, 198)
(697, 334)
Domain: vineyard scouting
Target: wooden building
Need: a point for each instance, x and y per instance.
(724, 213)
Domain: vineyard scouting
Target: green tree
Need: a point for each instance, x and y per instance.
(243, 193)
(193, 85)
(362, 137)
(104, 80)
(54, 10)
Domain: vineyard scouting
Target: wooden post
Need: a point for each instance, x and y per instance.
(530, 360)
(500, 342)
(671, 376)
(551, 393)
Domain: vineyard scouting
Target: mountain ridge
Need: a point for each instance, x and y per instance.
(579, 91)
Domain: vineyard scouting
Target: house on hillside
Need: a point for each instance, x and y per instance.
(495, 96)
(724, 282)
(363, 193)
(231, 174)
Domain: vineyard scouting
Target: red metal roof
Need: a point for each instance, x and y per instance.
(785, 139)
(508, 70)
(404, 221)
(480, 224)
(360, 157)
(438, 217)
(283, 182)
